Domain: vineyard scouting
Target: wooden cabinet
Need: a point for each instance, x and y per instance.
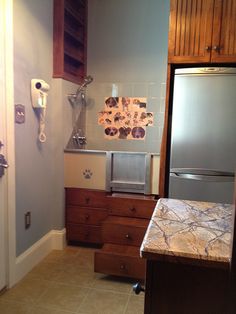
(202, 31)
(122, 235)
(178, 288)
(69, 39)
(85, 211)
(224, 31)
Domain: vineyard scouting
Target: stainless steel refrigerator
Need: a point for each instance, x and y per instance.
(203, 135)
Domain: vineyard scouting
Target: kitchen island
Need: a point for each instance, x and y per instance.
(188, 248)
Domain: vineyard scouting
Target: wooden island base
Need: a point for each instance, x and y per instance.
(173, 288)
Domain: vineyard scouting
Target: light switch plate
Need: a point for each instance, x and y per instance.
(19, 113)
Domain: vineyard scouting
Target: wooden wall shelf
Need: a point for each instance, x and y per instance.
(70, 40)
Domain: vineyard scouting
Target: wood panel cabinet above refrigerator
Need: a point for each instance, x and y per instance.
(202, 31)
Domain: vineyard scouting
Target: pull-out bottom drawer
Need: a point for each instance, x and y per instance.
(84, 233)
(120, 260)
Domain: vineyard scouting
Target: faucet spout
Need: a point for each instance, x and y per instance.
(79, 140)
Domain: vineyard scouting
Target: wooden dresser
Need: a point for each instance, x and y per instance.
(118, 222)
(85, 211)
(122, 234)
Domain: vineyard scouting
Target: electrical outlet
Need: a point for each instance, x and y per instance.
(27, 220)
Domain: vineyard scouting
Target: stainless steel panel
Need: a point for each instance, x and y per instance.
(128, 172)
(203, 132)
(201, 190)
(147, 186)
(203, 124)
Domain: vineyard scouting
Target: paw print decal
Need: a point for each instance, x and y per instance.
(87, 174)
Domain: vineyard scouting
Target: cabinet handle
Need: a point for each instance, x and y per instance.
(216, 48)
(208, 48)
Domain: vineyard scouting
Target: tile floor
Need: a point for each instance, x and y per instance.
(65, 283)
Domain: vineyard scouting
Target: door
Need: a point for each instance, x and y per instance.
(3, 181)
(190, 30)
(224, 31)
(3, 230)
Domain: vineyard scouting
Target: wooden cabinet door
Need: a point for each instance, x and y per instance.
(190, 31)
(224, 31)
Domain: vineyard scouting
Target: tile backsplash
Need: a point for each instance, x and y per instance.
(96, 94)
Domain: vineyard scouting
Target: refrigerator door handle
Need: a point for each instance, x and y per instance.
(202, 174)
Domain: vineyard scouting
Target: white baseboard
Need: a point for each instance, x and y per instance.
(53, 240)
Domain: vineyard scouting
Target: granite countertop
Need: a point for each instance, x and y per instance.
(190, 232)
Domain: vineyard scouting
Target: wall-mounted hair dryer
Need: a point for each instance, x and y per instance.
(39, 89)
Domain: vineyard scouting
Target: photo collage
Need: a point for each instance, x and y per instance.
(125, 118)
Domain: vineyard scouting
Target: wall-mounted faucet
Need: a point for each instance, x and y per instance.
(77, 101)
(79, 139)
(79, 96)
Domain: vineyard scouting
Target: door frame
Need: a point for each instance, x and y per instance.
(6, 46)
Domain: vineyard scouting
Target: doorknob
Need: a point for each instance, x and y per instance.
(3, 165)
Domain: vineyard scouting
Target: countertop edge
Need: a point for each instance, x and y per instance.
(158, 252)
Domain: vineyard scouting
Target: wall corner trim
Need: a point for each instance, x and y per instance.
(53, 240)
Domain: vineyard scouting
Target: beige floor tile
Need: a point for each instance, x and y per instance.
(85, 258)
(113, 283)
(62, 255)
(135, 305)
(76, 276)
(8, 307)
(26, 291)
(63, 297)
(104, 302)
(46, 270)
(46, 310)
(65, 283)
(79, 258)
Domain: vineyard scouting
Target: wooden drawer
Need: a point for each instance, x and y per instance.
(120, 261)
(128, 231)
(84, 197)
(131, 207)
(84, 215)
(83, 233)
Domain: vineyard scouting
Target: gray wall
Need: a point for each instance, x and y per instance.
(127, 48)
(39, 167)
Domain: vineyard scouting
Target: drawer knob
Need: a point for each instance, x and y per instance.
(137, 288)
(127, 236)
(133, 209)
(122, 266)
(87, 217)
(87, 200)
